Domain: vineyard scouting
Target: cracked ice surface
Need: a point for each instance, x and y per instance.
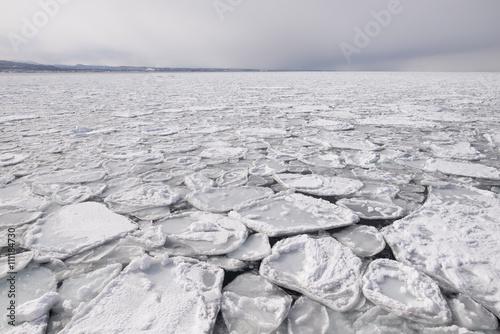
(146, 147)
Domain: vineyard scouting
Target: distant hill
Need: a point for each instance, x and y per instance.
(9, 66)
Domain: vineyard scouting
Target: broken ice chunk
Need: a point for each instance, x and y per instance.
(8, 159)
(363, 240)
(251, 304)
(263, 133)
(460, 150)
(319, 267)
(454, 238)
(224, 152)
(233, 178)
(255, 248)
(155, 294)
(323, 160)
(73, 229)
(202, 233)
(461, 169)
(319, 185)
(198, 181)
(30, 284)
(34, 309)
(225, 199)
(372, 209)
(404, 291)
(288, 213)
(471, 315)
(142, 197)
(227, 263)
(308, 317)
(14, 263)
(13, 216)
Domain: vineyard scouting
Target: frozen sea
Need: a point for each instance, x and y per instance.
(250, 202)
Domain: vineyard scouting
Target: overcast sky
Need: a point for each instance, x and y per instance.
(439, 35)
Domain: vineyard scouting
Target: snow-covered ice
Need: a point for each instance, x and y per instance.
(290, 213)
(319, 185)
(73, 229)
(372, 209)
(454, 238)
(156, 295)
(202, 233)
(404, 291)
(255, 248)
(319, 267)
(225, 199)
(251, 304)
(363, 240)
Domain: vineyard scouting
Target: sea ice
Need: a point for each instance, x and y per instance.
(225, 199)
(13, 216)
(251, 304)
(263, 133)
(233, 178)
(73, 229)
(288, 213)
(227, 263)
(224, 152)
(404, 291)
(30, 284)
(458, 150)
(255, 248)
(461, 169)
(471, 315)
(34, 309)
(145, 196)
(372, 209)
(158, 295)
(454, 238)
(8, 159)
(21, 260)
(363, 240)
(323, 160)
(319, 185)
(319, 267)
(202, 233)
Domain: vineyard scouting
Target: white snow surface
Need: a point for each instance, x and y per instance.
(319, 267)
(290, 213)
(202, 233)
(74, 229)
(155, 295)
(251, 304)
(454, 239)
(318, 184)
(404, 291)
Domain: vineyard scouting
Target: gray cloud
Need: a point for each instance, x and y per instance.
(272, 34)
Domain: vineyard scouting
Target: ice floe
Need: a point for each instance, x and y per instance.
(73, 229)
(224, 152)
(251, 304)
(289, 213)
(454, 238)
(459, 150)
(256, 247)
(472, 315)
(202, 233)
(155, 294)
(361, 239)
(318, 184)
(372, 209)
(404, 291)
(319, 267)
(8, 159)
(225, 199)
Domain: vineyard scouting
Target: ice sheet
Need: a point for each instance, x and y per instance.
(319, 185)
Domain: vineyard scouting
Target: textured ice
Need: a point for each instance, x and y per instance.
(462, 169)
(288, 213)
(263, 133)
(454, 238)
(13, 216)
(372, 209)
(202, 233)
(227, 263)
(73, 229)
(472, 315)
(21, 260)
(361, 239)
(224, 152)
(30, 284)
(70, 176)
(323, 160)
(251, 304)
(34, 309)
(157, 295)
(459, 150)
(146, 196)
(233, 178)
(319, 267)
(345, 142)
(225, 199)
(319, 185)
(404, 291)
(8, 159)
(198, 181)
(255, 248)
